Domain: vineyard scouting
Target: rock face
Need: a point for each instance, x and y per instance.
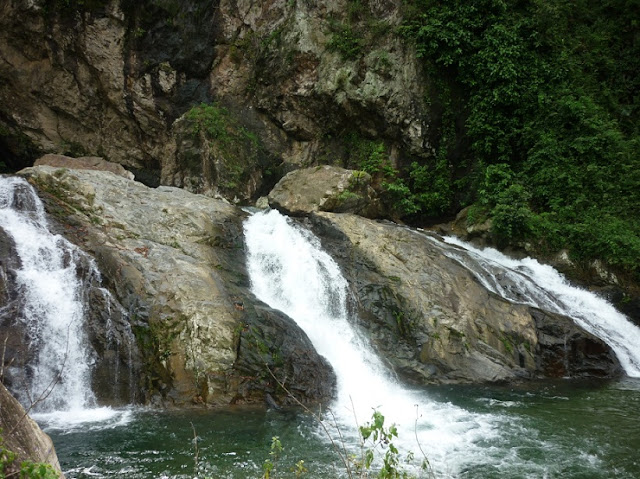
(283, 84)
(325, 188)
(434, 322)
(23, 437)
(175, 261)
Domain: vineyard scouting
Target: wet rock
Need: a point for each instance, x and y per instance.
(13, 336)
(273, 352)
(116, 363)
(566, 350)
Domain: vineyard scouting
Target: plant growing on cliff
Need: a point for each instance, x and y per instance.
(211, 120)
(234, 148)
(24, 470)
(345, 41)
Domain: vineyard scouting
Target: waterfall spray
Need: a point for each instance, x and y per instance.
(289, 271)
(57, 376)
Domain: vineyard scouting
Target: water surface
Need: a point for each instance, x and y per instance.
(551, 429)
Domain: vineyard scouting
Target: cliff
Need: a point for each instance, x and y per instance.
(125, 81)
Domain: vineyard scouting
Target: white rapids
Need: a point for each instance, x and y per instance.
(53, 311)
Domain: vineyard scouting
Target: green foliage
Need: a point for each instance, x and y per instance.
(210, 119)
(378, 454)
(236, 147)
(357, 32)
(377, 444)
(548, 135)
(345, 41)
(269, 466)
(372, 157)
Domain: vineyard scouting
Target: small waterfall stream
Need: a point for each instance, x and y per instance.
(289, 271)
(57, 380)
(529, 282)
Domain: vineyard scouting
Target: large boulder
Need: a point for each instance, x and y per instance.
(431, 319)
(22, 436)
(325, 188)
(175, 260)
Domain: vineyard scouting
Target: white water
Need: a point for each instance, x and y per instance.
(53, 312)
(290, 272)
(539, 285)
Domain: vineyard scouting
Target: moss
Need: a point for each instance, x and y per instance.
(508, 345)
(455, 334)
(235, 149)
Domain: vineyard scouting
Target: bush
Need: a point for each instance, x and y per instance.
(540, 96)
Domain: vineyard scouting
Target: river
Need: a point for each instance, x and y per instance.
(540, 429)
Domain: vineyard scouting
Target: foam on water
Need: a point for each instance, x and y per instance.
(85, 419)
(289, 271)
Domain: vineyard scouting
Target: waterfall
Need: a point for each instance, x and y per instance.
(290, 272)
(52, 310)
(529, 282)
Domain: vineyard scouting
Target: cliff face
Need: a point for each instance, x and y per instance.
(123, 80)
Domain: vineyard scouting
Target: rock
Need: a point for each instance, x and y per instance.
(175, 261)
(325, 188)
(83, 163)
(469, 230)
(566, 350)
(268, 338)
(262, 203)
(22, 436)
(116, 79)
(12, 331)
(215, 161)
(433, 322)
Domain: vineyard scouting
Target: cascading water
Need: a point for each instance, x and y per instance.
(529, 282)
(52, 310)
(290, 272)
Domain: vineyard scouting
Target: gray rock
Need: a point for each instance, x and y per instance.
(325, 188)
(83, 163)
